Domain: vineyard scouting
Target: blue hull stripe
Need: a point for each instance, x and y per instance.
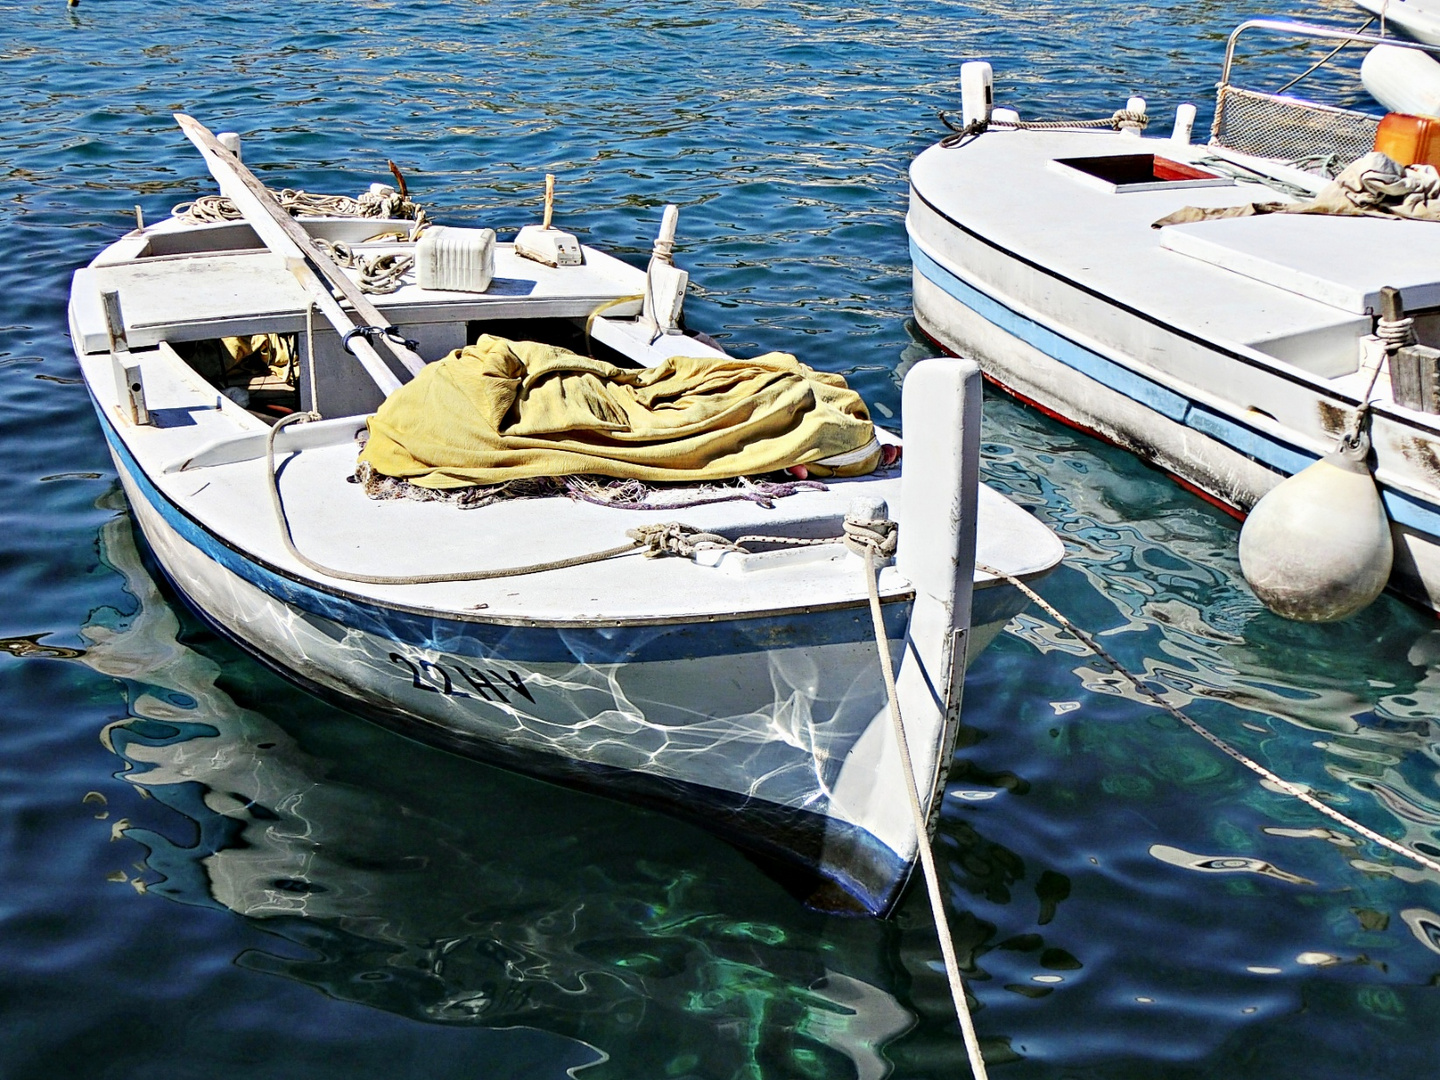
(1405, 510)
(1279, 456)
(1107, 372)
(522, 644)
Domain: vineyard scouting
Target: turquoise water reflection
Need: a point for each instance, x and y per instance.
(290, 890)
(406, 880)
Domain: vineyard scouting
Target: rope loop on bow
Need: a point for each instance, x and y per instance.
(673, 538)
(1396, 333)
(879, 537)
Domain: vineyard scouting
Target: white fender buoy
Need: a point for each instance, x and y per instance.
(1403, 80)
(1317, 546)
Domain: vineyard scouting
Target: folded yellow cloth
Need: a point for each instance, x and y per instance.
(503, 410)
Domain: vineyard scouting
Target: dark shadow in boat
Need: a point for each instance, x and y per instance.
(175, 418)
(501, 286)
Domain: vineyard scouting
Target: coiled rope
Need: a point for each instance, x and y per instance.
(382, 202)
(380, 274)
(1279, 782)
(1396, 333)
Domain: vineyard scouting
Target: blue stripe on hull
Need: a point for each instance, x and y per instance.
(1283, 457)
(812, 853)
(533, 644)
(1102, 370)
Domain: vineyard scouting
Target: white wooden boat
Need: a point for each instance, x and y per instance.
(1420, 19)
(427, 865)
(1230, 353)
(737, 687)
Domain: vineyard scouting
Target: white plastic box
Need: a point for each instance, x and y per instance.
(456, 260)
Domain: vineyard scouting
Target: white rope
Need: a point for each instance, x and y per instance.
(1396, 333)
(668, 538)
(382, 273)
(1284, 785)
(1119, 120)
(917, 815)
(638, 538)
(384, 202)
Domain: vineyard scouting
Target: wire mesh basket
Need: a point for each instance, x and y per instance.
(1288, 128)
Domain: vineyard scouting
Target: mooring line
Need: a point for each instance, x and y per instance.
(870, 545)
(1254, 766)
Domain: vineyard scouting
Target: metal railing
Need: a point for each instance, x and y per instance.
(1276, 125)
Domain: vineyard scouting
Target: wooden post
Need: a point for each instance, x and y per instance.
(114, 321)
(1415, 378)
(129, 383)
(665, 284)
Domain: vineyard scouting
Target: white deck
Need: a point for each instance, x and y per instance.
(336, 524)
(1103, 240)
(1342, 262)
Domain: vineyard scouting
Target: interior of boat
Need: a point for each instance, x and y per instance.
(197, 279)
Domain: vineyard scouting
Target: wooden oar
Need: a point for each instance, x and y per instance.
(286, 237)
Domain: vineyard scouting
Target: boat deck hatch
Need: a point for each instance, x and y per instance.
(1119, 173)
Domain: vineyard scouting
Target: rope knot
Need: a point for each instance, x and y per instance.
(673, 538)
(1127, 118)
(880, 537)
(961, 133)
(374, 334)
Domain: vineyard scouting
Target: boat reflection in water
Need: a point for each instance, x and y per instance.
(451, 892)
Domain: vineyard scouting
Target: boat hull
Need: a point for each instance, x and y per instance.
(739, 725)
(966, 300)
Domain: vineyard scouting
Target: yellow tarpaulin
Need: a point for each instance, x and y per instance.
(504, 410)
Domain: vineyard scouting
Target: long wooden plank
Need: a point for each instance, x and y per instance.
(287, 237)
(369, 359)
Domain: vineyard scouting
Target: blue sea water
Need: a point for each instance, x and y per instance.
(289, 891)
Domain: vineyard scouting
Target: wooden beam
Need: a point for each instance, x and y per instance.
(286, 237)
(363, 351)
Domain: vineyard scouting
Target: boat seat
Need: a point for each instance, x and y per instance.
(187, 299)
